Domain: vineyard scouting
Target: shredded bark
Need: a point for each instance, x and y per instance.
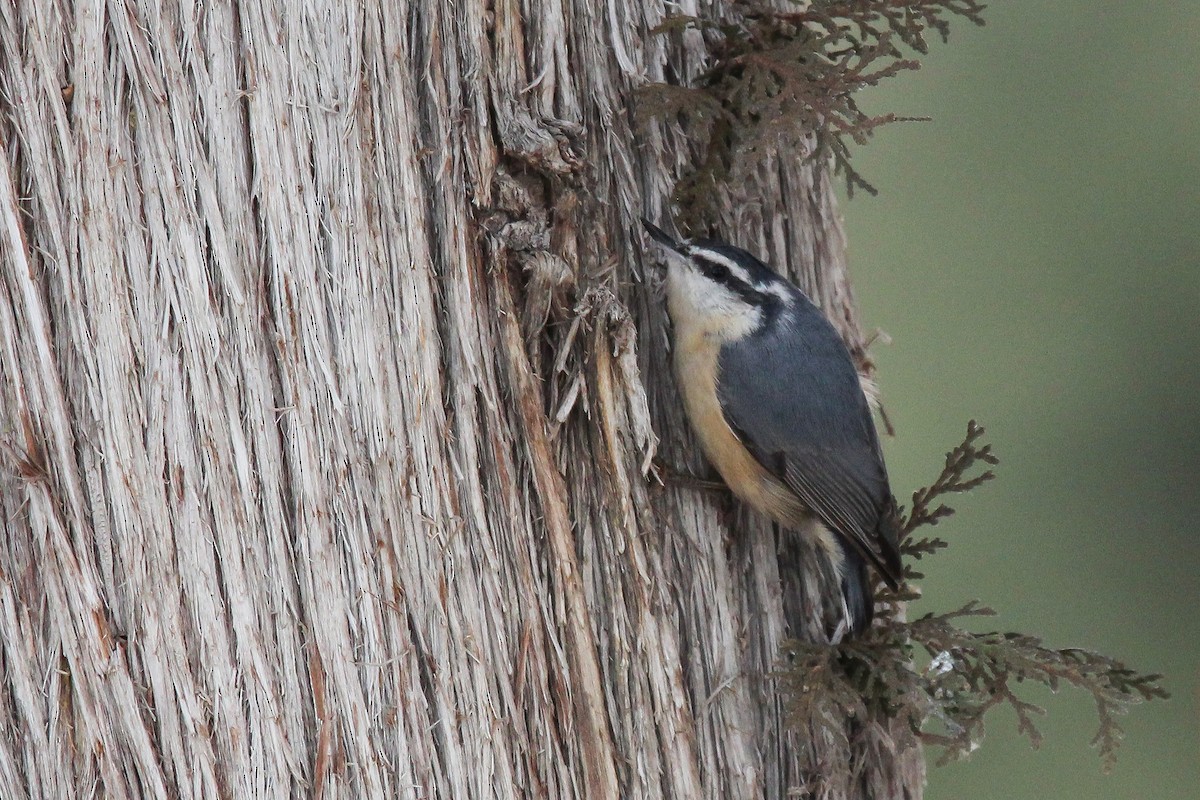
(315, 481)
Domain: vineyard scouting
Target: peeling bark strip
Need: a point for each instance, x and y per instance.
(586, 688)
(329, 376)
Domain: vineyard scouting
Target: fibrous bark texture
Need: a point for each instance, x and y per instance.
(331, 372)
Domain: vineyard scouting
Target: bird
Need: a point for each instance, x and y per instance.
(776, 401)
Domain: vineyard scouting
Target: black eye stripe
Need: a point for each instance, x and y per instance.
(721, 273)
(739, 272)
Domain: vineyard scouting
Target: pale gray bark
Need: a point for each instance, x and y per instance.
(330, 372)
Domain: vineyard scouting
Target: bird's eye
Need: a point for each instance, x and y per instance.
(713, 270)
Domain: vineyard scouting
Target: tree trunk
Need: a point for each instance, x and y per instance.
(332, 371)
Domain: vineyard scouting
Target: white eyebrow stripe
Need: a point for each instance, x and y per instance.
(779, 291)
(776, 288)
(734, 268)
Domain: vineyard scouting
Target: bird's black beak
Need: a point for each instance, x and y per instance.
(660, 236)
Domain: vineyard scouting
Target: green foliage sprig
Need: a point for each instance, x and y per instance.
(968, 673)
(784, 81)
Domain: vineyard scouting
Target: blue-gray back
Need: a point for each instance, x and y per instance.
(793, 395)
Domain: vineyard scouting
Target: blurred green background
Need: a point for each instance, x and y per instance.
(1033, 254)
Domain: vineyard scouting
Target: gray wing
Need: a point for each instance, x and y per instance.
(795, 400)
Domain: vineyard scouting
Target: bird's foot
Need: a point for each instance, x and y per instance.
(665, 474)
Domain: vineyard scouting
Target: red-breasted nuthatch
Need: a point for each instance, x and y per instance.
(778, 406)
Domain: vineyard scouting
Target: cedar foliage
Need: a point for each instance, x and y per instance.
(784, 81)
(966, 673)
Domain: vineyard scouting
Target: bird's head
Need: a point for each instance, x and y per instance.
(718, 288)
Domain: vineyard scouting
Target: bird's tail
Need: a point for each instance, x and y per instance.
(804, 603)
(858, 593)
